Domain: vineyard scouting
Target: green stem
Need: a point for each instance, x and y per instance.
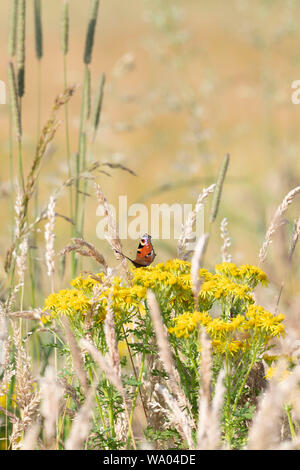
(100, 412)
(20, 163)
(32, 268)
(111, 412)
(133, 367)
(80, 160)
(194, 364)
(288, 409)
(39, 91)
(239, 373)
(244, 381)
(228, 386)
(84, 198)
(98, 404)
(182, 373)
(68, 137)
(136, 395)
(68, 151)
(11, 173)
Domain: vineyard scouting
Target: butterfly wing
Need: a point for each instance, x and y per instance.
(145, 253)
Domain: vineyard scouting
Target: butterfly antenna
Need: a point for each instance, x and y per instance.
(122, 254)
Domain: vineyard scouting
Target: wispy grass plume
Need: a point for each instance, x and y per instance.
(265, 430)
(226, 256)
(197, 261)
(276, 221)
(50, 238)
(85, 248)
(82, 423)
(112, 233)
(51, 394)
(187, 229)
(164, 351)
(46, 138)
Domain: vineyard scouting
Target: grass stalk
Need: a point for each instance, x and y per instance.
(218, 191)
(20, 165)
(64, 45)
(95, 124)
(11, 175)
(217, 196)
(81, 157)
(12, 37)
(84, 115)
(39, 56)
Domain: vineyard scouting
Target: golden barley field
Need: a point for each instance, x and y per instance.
(162, 103)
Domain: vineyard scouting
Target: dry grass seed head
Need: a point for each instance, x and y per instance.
(82, 423)
(205, 394)
(112, 233)
(111, 374)
(197, 261)
(226, 256)
(275, 222)
(111, 339)
(51, 394)
(165, 353)
(76, 354)
(187, 229)
(179, 416)
(84, 248)
(264, 433)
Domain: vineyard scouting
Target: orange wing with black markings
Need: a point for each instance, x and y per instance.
(145, 253)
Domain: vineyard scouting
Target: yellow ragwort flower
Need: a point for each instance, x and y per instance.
(186, 323)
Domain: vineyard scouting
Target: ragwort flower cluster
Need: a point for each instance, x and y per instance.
(226, 307)
(171, 281)
(228, 312)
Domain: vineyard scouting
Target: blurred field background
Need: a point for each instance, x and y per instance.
(186, 82)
